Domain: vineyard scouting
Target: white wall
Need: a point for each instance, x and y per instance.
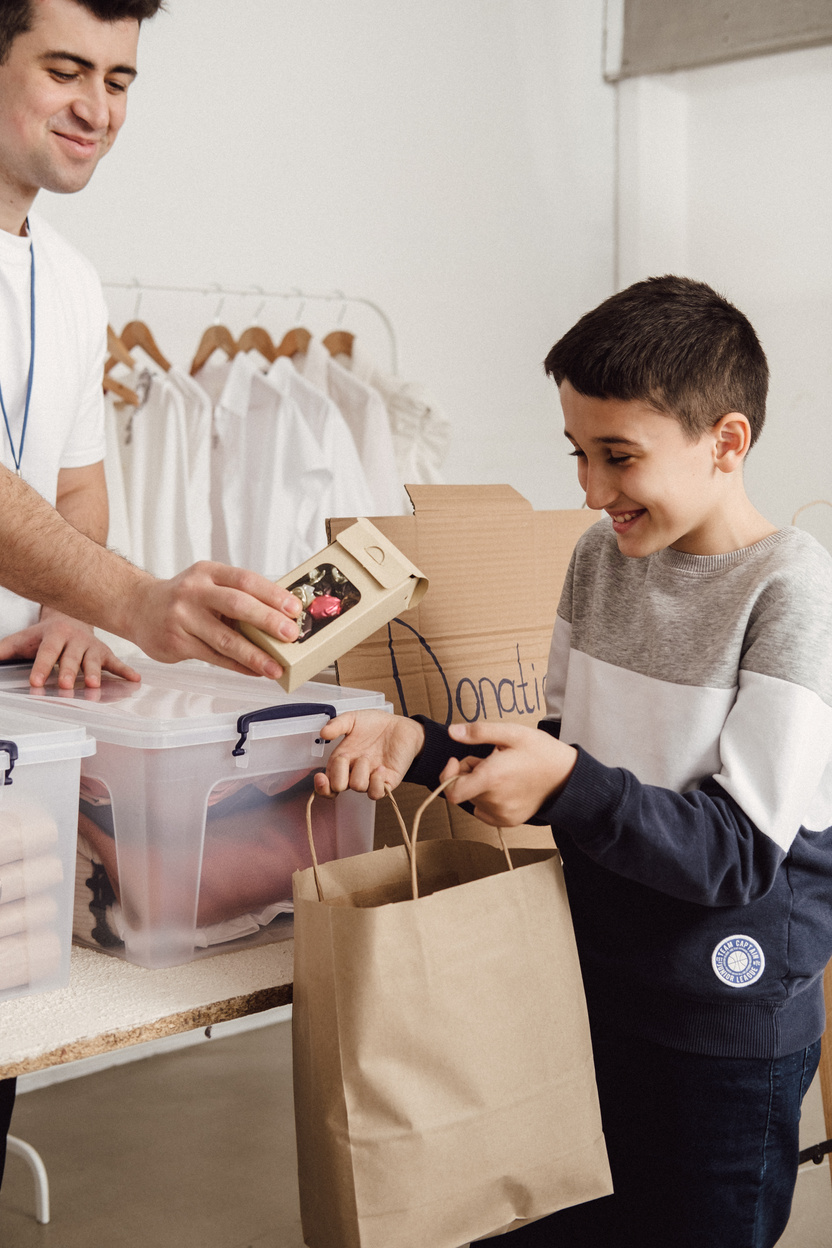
(726, 175)
(453, 162)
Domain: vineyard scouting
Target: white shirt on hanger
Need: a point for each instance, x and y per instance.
(211, 379)
(155, 457)
(118, 534)
(421, 431)
(348, 494)
(273, 481)
(199, 420)
(366, 416)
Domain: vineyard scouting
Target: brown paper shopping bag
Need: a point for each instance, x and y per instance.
(444, 1086)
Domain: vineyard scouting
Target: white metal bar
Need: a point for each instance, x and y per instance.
(295, 294)
(33, 1159)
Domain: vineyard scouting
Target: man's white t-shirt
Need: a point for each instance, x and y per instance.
(66, 413)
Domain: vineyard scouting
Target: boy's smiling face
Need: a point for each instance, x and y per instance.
(659, 488)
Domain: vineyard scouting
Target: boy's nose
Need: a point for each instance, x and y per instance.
(599, 490)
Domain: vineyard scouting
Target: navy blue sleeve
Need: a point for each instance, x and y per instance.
(438, 749)
(698, 846)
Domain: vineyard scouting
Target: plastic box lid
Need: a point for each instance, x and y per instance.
(190, 703)
(28, 738)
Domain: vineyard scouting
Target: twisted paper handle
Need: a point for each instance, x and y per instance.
(409, 841)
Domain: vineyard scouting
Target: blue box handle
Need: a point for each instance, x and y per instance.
(295, 710)
(9, 747)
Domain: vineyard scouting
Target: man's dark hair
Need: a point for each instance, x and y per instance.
(17, 16)
(673, 343)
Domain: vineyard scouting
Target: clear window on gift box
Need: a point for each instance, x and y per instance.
(325, 594)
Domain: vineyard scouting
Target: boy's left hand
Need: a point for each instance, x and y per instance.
(526, 768)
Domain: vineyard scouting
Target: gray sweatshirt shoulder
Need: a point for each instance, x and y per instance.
(700, 619)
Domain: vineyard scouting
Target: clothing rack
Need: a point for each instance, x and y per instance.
(297, 295)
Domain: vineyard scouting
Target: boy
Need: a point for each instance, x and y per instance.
(685, 767)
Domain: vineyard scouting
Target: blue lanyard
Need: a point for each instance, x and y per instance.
(17, 455)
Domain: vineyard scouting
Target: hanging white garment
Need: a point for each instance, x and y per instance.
(211, 379)
(366, 416)
(274, 480)
(199, 418)
(153, 440)
(348, 494)
(118, 533)
(421, 431)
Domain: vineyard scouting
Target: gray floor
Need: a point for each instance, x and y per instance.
(195, 1149)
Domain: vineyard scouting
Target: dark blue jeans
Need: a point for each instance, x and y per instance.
(7, 1091)
(703, 1151)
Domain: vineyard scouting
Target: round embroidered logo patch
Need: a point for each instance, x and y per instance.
(738, 961)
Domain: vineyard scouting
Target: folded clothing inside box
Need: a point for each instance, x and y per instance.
(247, 866)
(29, 949)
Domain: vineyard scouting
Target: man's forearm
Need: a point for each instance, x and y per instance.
(189, 616)
(46, 559)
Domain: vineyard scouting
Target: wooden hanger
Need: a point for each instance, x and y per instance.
(119, 355)
(295, 342)
(118, 352)
(255, 338)
(137, 334)
(122, 392)
(339, 342)
(215, 338)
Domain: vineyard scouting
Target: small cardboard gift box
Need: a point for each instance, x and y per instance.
(349, 590)
(477, 648)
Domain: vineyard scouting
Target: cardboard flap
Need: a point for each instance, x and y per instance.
(466, 499)
(379, 556)
(461, 655)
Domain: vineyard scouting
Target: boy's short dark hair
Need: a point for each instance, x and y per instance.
(17, 17)
(673, 343)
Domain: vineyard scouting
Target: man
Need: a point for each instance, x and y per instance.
(65, 70)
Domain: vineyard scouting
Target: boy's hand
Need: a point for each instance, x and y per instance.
(376, 751)
(527, 768)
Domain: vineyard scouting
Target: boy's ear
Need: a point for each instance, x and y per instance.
(732, 441)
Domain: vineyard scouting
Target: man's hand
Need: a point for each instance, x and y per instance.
(191, 617)
(57, 638)
(376, 751)
(526, 768)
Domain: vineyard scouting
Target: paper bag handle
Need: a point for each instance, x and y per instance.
(311, 838)
(409, 841)
(417, 818)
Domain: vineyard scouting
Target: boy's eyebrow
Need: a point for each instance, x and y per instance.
(614, 441)
(83, 63)
(609, 441)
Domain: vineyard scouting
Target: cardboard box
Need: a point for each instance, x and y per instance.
(365, 580)
(476, 647)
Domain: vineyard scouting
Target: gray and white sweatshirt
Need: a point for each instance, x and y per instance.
(695, 828)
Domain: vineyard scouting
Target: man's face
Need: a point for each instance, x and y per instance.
(658, 487)
(63, 98)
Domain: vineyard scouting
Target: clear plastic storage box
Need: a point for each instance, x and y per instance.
(194, 801)
(40, 767)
